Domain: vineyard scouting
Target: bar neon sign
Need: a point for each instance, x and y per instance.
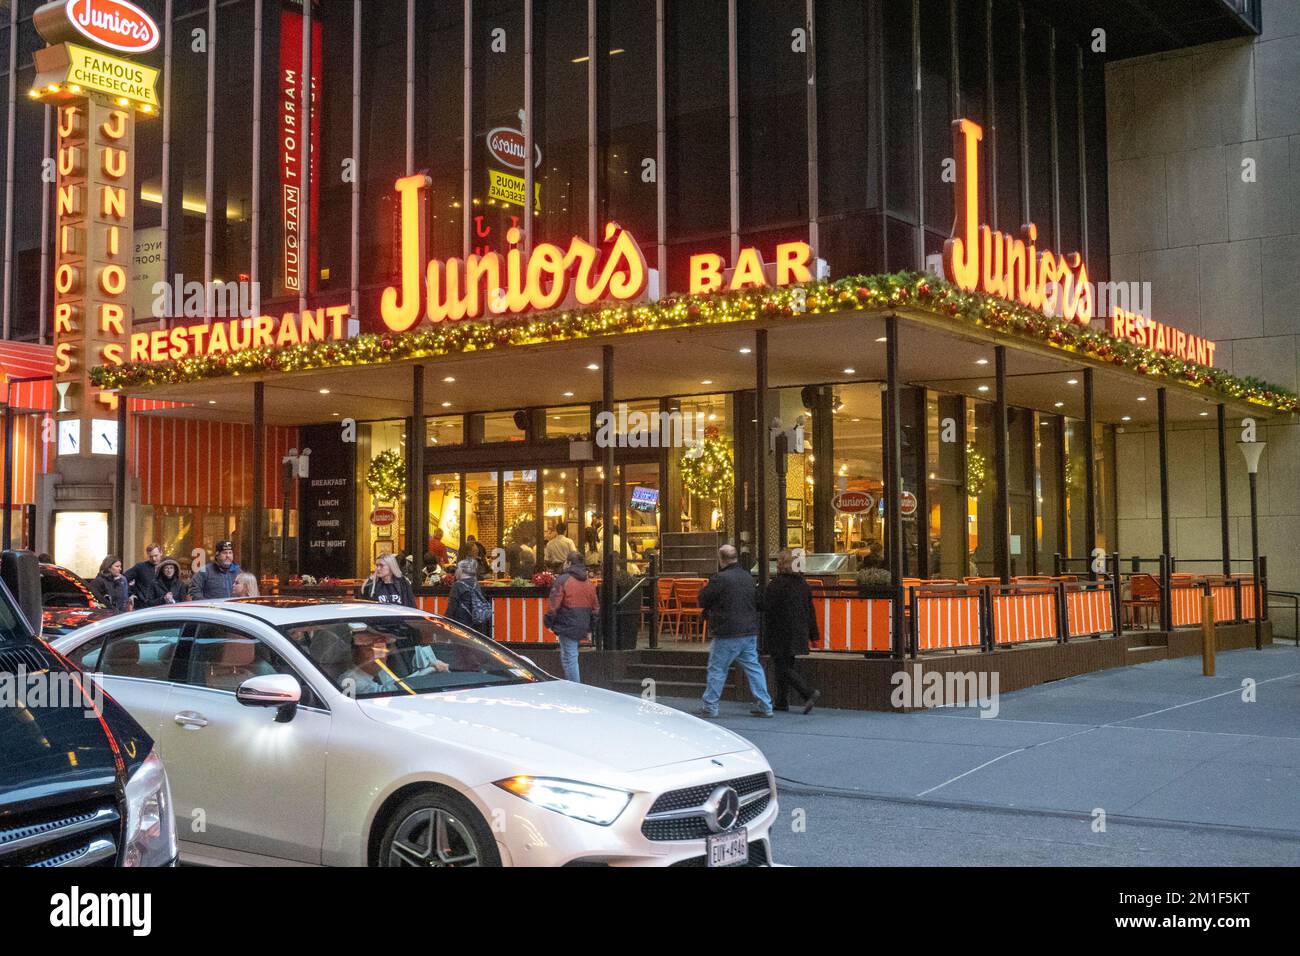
(981, 258)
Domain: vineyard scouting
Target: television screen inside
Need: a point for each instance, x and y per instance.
(645, 499)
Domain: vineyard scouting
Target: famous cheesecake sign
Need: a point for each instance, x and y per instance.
(114, 24)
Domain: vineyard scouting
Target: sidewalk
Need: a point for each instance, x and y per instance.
(1156, 744)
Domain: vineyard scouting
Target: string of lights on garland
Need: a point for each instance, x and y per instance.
(710, 474)
(386, 476)
(852, 293)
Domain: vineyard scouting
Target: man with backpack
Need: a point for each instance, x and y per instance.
(467, 604)
(572, 611)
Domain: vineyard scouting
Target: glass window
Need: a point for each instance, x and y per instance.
(232, 197)
(144, 652)
(387, 656)
(1067, 138)
(383, 136)
(381, 457)
(488, 427)
(936, 113)
(444, 509)
(334, 105)
(948, 508)
(981, 487)
(482, 527)
(705, 504)
(1049, 490)
(1076, 450)
(60, 588)
(900, 136)
(560, 506)
(222, 658)
(1038, 67)
(560, 98)
(859, 471)
(444, 430)
(498, 102)
(521, 535)
(625, 113)
(570, 420)
(636, 525)
(1020, 488)
(439, 120)
(1006, 85)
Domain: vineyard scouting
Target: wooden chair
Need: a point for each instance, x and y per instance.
(690, 616)
(1143, 599)
(666, 605)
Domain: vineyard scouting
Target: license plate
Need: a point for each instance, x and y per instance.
(727, 849)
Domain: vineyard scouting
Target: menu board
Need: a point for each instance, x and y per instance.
(328, 500)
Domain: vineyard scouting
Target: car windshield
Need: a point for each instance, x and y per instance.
(395, 656)
(60, 588)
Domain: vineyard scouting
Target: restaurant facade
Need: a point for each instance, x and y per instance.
(806, 273)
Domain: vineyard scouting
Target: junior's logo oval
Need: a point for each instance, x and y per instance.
(853, 502)
(115, 24)
(507, 146)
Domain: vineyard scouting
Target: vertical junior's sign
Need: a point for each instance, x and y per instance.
(291, 150)
(95, 96)
(328, 502)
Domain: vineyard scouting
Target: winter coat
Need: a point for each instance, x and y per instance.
(214, 581)
(155, 595)
(139, 577)
(111, 592)
(789, 621)
(730, 603)
(573, 605)
(396, 591)
(460, 606)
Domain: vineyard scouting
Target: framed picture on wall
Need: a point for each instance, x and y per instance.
(794, 537)
(794, 509)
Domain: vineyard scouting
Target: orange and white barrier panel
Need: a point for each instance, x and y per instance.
(852, 623)
(944, 622)
(1022, 617)
(1089, 611)
(515, 620)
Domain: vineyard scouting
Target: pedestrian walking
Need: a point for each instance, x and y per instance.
(730, 606)
(139, 577)
(467, 604)
(572, 611)
(386, 583)
(789, 626)
(217, 579)
(109, 586)
(166, 587)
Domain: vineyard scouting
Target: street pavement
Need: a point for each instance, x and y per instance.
(1146, 765)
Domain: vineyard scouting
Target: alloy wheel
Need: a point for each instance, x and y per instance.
(432, 836)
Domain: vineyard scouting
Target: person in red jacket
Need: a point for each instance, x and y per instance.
(572, 612)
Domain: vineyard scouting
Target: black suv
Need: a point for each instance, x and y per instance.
(79, 782)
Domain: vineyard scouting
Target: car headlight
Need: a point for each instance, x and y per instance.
(150, 830)
(582, 801)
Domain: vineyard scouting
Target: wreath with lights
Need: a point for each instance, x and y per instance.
(710, 474)
(386, 476)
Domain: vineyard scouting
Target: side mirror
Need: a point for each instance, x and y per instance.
(272, 690)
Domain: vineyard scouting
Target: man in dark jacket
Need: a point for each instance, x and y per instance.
(217, 579)
(789, 625)
(139, 577)
(572, 611)
(730, 605)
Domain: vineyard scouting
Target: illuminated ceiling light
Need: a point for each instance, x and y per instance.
(982, 361)
(746, 350)
(1142, 398)
(324, 391)
(707, 381)
(1204, 414)
(883, 338)
(1071, 381)
(212, 401)
(568, 395)
(983, 388)
(593, 367)
(146, 108)
(1060, 404)
(449, 379)
(849, 371)
(446, 404)
(1127, 418)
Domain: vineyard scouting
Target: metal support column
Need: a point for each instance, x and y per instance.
(894, 480)
(609, 591)
(1224, 520)
(418, 532)
(258, 504)
(1001, 471)
(1089, 473)
(1166, 610)
(760, 456)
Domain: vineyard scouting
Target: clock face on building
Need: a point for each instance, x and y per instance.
(103, 436)
(69, 436)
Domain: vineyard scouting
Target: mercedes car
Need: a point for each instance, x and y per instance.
(351, 733)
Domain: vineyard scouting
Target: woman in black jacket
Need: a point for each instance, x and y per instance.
(110, 586)
(387, 585)
(166, 586)
(789, 625)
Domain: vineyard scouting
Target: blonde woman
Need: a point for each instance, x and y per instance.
(245, 585)
(386, 583)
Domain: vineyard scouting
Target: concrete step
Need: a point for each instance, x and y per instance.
(1144, 653)
(1145, 639)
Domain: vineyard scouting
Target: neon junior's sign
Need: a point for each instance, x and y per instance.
(979, 257)
(497, 284)
(115, 24)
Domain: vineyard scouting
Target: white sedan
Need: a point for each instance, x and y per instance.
(355, 734)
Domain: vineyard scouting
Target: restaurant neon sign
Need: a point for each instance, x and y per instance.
(981, 258)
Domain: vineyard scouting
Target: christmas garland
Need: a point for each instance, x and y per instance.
(977, 471)
(710, 474)
(853, 293)
(386, 476)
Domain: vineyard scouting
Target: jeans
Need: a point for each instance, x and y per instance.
(726, 651)
(569, 659)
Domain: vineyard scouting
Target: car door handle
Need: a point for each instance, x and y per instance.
(191, 720)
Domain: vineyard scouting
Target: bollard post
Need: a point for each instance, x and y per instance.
(1207, 633)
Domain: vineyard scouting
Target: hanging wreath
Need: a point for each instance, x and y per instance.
(977, 471)
(386, 477)
(709, 475)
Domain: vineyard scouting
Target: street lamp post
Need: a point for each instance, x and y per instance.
(1251, 451)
